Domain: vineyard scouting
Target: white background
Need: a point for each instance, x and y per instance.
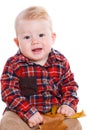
(70, 24)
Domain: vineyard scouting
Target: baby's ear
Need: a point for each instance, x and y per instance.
(53, 37)
(16, 41)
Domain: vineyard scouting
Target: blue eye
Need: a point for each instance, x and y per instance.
(27, 37)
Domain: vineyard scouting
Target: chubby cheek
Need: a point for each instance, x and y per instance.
(48, 45)
(24, 49)
(26, 53)
(24, 46)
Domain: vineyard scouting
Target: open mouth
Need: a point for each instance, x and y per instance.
(36, 50)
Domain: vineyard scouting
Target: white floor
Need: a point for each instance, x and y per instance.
(83, 121)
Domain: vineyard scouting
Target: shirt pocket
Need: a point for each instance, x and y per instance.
(28, 86)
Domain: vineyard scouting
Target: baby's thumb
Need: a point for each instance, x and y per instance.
(59, 110)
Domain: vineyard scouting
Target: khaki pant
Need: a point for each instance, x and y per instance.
(12, 121)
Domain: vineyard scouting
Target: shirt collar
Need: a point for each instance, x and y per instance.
(54, 56)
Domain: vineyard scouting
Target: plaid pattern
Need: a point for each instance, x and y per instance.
(27, 87)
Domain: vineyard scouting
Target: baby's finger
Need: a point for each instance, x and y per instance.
(59, 110)
(32, 124)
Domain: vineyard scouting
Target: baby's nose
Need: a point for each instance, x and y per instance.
(35, 39)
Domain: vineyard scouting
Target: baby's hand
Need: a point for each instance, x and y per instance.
(66, 110)
(35, 120)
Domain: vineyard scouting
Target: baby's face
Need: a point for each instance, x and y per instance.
(35, 39)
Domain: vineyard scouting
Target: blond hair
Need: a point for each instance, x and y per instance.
(33, 13)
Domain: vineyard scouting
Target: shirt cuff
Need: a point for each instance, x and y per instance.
(31, 112)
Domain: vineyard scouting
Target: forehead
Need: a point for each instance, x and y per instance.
(33, 25)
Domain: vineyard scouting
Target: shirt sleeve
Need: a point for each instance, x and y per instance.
(68, 87)
(11, 95)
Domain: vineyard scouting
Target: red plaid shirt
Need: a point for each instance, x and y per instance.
(27, 87)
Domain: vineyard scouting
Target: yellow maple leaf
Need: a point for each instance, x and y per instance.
(54, 110)
(77, 115)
